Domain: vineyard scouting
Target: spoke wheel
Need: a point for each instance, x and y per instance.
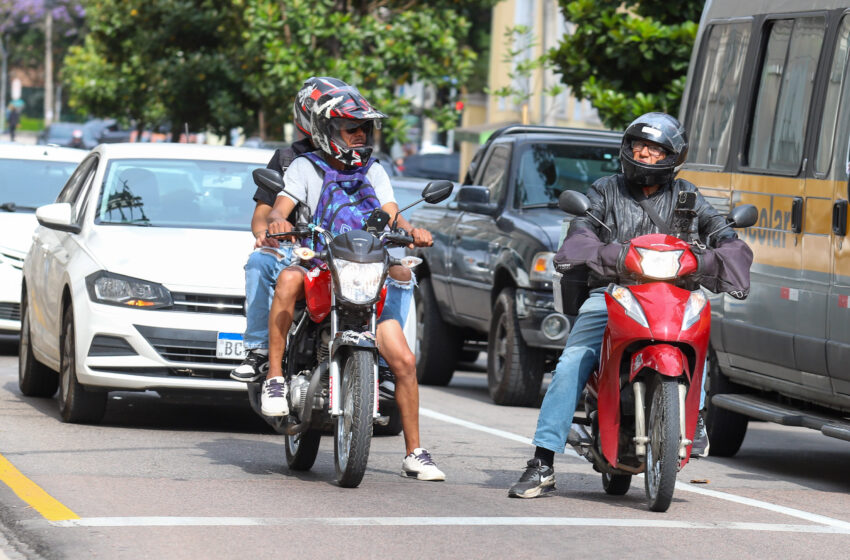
(662, 453)
(76, 404)
(354, 426)
(34, 378)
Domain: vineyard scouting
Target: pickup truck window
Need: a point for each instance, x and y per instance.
(495, 175)
(547, 170)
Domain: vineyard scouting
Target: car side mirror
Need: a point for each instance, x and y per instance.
(59, 216)
(475, 198)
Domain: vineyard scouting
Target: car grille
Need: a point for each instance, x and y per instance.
(206, 303)
(183, 345)
(10, 311)
(14, 259)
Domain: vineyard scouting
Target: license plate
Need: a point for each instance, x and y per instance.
(229, 346)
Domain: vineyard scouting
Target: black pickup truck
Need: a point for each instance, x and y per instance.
(488, 277)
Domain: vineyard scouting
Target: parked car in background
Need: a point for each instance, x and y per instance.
(432, 166)
(30, 176)
(135, 279)
(106, 131)
(488, 278)
(68, 135)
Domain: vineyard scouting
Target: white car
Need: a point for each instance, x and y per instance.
(135, 278)
(30, 176)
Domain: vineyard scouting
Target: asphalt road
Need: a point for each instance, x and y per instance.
(165, 480)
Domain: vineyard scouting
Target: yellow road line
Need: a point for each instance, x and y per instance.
(30, 492)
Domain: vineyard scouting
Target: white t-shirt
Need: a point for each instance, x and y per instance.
(302, 180)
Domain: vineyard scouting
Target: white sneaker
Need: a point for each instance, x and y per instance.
(273, 399)
(420, 465)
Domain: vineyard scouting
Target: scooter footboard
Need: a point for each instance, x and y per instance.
(666, 359)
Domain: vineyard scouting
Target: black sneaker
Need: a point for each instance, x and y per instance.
(253, 368)
(386, 383)
(700, 446)
(537, 480)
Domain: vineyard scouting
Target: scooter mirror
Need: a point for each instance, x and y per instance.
(269, 180)
(574, 202)
(437, 191)
(744, 216)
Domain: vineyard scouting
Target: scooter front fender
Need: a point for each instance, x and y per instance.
(666, 359)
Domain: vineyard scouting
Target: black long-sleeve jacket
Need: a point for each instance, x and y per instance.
(724, 267)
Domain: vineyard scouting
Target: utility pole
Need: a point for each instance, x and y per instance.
(48, 63)
(3, 78)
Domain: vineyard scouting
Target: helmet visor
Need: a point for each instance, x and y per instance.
(353, 133)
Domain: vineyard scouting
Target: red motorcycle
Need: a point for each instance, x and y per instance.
(642, 403)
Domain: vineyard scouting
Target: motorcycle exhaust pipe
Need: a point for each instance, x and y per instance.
(292, 428)
(640, 420)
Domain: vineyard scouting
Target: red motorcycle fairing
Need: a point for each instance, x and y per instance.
(317, 292)
(664, 308)
(660, 242)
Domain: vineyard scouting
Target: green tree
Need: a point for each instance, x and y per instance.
(629, 57)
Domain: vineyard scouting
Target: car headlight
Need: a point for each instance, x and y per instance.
(661, 265)
(693, 309)
(625, 298)
(125, 291)
(359, 282)
(542, 267)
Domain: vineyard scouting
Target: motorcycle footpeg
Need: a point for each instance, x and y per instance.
(382, 420)
(578, 436)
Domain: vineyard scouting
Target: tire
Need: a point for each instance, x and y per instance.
(437, 343)
(34, 378)
(662, 452)
(469, 356)
(353, 435)
(302, 449)
(393, 427)
(726, 429)
(514, 371)
(616, 484)
(76, 405)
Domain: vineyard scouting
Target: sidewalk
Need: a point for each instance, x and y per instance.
(21, 137)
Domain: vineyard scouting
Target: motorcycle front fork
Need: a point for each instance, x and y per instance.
(641, 439)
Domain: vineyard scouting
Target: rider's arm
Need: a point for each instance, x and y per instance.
(277, 222)
(259, 223)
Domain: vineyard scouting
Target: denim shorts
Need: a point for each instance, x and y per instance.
(397, 302)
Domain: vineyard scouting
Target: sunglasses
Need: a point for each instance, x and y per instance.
(353, 126)
(653, 149)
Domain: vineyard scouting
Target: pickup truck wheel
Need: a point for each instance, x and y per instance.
(514, 371)
(437, 343)
(725, 429)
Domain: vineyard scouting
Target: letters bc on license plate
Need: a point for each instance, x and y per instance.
(229, 346)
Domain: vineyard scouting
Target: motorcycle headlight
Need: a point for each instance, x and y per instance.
(661, 265)
(693, 309)
(125, 291)
(625, 298)
(359, 282)
(542, 267)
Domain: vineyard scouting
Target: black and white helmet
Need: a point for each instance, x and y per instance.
(663, 130)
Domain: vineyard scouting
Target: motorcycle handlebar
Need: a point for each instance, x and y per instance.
(400, 238)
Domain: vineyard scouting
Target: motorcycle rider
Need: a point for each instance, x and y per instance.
(342, 125)
(654, 145)
(271, 256)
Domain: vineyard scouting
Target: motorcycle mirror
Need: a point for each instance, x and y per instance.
(271, 181)
(437, 191)
(574, 202)
(743, 216)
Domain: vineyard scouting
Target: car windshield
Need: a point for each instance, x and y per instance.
(547, 170)
(177, 193)
(32, 183)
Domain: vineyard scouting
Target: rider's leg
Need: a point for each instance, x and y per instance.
(577, 362)
(394, 348)
(400, 283)
(290, 287)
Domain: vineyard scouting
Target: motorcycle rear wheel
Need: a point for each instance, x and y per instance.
(353, 435)
(616, 484)
(302, 449)
(662, 453)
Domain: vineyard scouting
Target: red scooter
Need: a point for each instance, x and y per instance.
(642, 403)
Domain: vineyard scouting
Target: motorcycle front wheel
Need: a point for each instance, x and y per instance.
(662, 453)
(354, 426)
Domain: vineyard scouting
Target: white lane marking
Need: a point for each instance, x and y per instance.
(438, 521)
(813, 517)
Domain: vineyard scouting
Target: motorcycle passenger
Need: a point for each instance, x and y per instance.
(271, 256)
(343, 123)
(654, 146)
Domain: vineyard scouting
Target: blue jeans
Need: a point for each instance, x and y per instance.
(578, 360)
(261, 272)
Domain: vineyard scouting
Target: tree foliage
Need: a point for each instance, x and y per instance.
(629, 57)
(22, 29)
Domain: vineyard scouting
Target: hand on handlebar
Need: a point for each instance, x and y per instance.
(282, 226)
(263, 240)
(421, 238)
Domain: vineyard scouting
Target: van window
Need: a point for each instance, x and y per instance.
(778, 126)
(835, 88)
(842, 123)
(720, 80)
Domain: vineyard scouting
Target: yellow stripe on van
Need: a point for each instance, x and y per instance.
(31, 493)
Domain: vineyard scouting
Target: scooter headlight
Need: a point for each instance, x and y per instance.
(693, 309)
(359, 282)
(625, 298)
(661, 265)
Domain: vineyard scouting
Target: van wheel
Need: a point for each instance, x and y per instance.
(76, 404)
(437, 343)
(514, 371)
(725, 429)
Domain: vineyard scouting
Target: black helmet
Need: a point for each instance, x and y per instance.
(661, 129)
(311, 90)
(344, 107)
